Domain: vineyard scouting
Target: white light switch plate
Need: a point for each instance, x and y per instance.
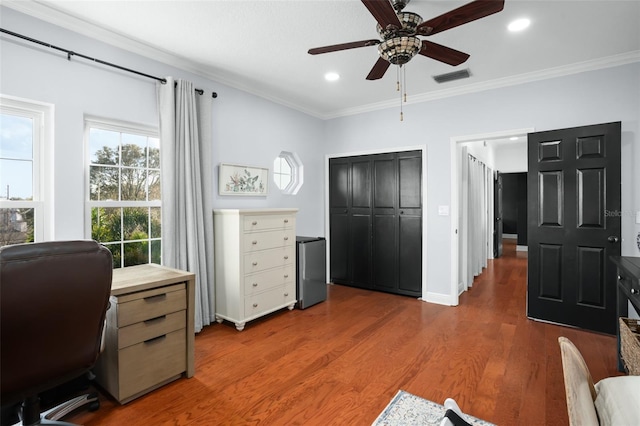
(443, 210)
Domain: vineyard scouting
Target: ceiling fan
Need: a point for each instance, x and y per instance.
(399, 32)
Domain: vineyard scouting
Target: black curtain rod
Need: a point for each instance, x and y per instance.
(71, 53)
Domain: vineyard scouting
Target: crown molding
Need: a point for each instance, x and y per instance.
(579, 67)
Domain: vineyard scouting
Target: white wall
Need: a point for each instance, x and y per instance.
(247, 129)
(600, 96)
(511, 157)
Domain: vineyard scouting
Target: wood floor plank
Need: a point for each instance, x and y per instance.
(340, 362)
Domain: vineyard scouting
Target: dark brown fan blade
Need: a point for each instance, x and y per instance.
(442, 53)
(343, 46)
(378, 69)
(467, 13)
(383, 12)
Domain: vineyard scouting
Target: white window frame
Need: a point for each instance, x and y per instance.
(297, 172)
(42, 115)
(120, 127)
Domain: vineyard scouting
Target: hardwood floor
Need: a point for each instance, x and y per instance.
(340, 362)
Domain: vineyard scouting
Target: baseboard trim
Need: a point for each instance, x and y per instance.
(522, 248)
(510, 236)
(439, 298)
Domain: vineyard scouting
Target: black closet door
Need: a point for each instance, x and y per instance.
(376, 221)
(410, 223)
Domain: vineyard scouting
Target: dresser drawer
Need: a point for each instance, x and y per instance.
(148, 363)
(266, 240)
(262, 223)
(150, 304)
(261, 260)
(265, 280)
(268, 300)
(148, 329)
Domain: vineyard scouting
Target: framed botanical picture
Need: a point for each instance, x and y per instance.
(235, 179)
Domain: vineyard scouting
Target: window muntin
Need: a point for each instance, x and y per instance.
(23, 202)
(282, 172)
(124, 191)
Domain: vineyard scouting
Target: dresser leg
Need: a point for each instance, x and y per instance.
(291, 306)
(219, 320)
(240, 326)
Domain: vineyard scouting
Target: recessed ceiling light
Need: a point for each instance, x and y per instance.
(332, 76)
(519, 24)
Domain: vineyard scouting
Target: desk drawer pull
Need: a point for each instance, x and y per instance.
(157, 297)
(155, 339)
(156, 319)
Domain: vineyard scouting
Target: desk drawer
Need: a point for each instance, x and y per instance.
(148, 363)
(266, 240)
(150, 304)
(264, 222)
(259, 261)
(265, 280)
(148, 329)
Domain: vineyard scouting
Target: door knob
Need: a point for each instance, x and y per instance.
(613, 239)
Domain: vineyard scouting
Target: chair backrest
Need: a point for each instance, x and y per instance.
(53, 301)
(578, 385)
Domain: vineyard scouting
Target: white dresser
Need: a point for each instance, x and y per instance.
(255, 263)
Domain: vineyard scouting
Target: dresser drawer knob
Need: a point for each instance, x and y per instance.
(254, 223)
(620, 278)
(286, 257)
(255, 263)
(286, 294)
(286, 221)
(255, 305)
(255, 284)
(286, 275)
(254, 242)
(286, 238)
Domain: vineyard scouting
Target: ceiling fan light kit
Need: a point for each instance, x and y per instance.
(399, 50)
(399, 30)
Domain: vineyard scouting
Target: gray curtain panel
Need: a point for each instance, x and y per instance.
(186, 184)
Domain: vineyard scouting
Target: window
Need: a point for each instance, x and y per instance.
(123, 191)
(287, 172)
(24, 152)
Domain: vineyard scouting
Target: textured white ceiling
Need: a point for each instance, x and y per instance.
(261, 46)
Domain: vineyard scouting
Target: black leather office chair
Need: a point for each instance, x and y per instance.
(53, 301)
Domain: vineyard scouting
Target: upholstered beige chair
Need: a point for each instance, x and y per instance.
(611, 401)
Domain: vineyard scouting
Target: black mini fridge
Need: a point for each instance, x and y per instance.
(311, 276)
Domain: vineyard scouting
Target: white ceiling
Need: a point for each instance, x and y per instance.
(261, 46)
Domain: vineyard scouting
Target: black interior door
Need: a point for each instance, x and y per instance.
(573, 187)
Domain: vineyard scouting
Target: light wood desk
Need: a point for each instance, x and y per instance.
(149, 334)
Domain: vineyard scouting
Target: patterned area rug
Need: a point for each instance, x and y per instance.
(406, 409)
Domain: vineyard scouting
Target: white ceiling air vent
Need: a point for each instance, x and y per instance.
(456, 75)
